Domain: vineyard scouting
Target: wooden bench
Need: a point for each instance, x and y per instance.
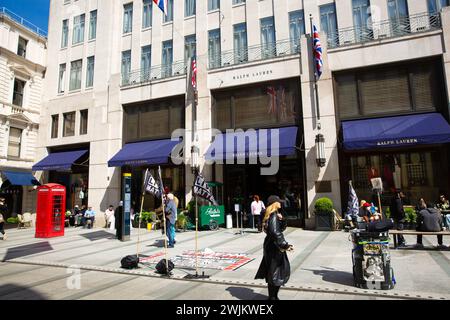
(415, 233)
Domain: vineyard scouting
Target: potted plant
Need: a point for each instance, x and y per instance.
(182, 221)
(12, 220)
(410, 218)
(323, 210)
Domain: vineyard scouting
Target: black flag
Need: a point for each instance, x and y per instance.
(202, 189)
(151, 186)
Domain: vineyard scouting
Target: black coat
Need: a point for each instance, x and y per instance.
(397, 211)
(274, 267)
(430, 220)
(118, 215)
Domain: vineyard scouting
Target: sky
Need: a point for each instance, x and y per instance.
(35, 11)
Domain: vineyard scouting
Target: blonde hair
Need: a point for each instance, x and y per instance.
(270, 209)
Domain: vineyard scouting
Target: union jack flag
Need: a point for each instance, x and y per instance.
(194, 72)
(317, 48)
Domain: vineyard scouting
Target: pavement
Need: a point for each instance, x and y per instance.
(85, 264)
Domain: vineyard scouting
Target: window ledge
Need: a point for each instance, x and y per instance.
(92, 40)
(64, 48)
(146, 29)
(127, 34)
(167, 23)
(213, 11)
(238, 5)
(189, 17)
(89, 89)
(77, 44)
(74, 91)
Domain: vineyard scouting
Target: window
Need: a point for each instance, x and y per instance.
(146, 57)
(126, 67)
(90, 72)
(62, 78)
(19, 87)
(240, 43)
(127, 18)
(55, 123)
(213, 5)
(435, 6)
(93, 25)
(238, 1)
(328, 23)
(189, 8)
(214, 48)
(15, 141)
(147, 14)
(169, 16)
(361, 14)
(189, 47)
(268, 38)
(398, 16)
(296, 29)
(75, 75)
(78, 29)
(83, 121)
(167, 59)
(65, 33)
(22, 47)
(69, 124)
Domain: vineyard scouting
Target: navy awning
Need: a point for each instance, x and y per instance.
(253, 143)
(144, 153)
(21, 178)
(59, 160)
(401, 131)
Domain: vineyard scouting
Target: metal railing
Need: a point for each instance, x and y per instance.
(254, 53)
(384, 29)
(155, 73)
(27, 24)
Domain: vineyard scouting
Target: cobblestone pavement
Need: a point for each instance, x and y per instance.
(85, 264)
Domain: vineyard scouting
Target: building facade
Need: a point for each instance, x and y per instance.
(22, 64)
(119, 77)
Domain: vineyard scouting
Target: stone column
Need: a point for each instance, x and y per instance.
(445, 14)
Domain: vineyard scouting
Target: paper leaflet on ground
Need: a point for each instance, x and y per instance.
(207, 259)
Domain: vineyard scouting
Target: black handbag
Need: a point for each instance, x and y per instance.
(161, 266)
(130, 262)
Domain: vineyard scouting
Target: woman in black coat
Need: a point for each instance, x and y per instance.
(274, 267)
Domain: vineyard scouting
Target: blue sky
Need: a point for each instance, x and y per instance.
(35, 11)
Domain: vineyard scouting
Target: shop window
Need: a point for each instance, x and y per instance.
(69, 124)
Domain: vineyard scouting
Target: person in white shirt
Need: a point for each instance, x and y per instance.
(257, 208)
(109, 217)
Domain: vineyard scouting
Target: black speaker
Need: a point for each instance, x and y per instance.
(161, 266)
(130, 262)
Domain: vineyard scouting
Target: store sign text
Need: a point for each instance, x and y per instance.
(257, 74)
(397, 142)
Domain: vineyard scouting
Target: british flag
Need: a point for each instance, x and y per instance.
(317, 48)
(162, 4)
(194, 72)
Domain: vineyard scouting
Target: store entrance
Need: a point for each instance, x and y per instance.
(244, 181)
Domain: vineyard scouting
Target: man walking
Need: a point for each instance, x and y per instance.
(171, 219)
(398, 215)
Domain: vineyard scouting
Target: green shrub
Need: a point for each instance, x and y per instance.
(182, 220)
(146, 216)
(410, 215)
(324, 205)
(12, 220)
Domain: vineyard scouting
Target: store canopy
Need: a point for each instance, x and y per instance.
(401, 131)
(59, 160)
(144, 153)
(253, 143)
(21, 178)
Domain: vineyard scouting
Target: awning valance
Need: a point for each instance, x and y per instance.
(59, 160)
(21, 178)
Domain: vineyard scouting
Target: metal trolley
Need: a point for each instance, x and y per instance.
(371, 260)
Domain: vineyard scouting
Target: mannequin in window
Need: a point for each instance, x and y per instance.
(397, 173)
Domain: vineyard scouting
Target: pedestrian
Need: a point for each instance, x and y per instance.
(398, 215)
(171, 219)
(109, 217)
(3, 211)
(274, 267)
(118, 216)
(443, 203)
(429, 219)
(258, 210)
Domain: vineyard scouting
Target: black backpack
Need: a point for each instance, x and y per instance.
(130, 262)
(161, 266)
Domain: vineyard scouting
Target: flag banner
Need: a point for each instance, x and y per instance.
(151, 186)
(161, 185)
(202, 189)
(162, 4)
(194, 72)
(353, 205)
(317, 48)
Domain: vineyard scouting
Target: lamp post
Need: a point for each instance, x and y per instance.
(195, 153)
(320, 150)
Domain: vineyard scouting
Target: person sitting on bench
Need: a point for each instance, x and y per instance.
(429, 219)
(89, 216)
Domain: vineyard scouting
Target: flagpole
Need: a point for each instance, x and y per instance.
(140, 212)
(164, 220)
(196, 236)
(316, 89)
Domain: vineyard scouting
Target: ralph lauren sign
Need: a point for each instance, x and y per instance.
(256, 74)
(394, 142)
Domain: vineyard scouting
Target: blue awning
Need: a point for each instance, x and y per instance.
(401, 131)
(144, 153)
(21, 178)
(253, 143)
(59, 160)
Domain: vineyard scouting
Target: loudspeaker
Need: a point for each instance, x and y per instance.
(161, 266)
(130, 262)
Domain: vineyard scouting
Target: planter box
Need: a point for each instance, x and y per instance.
(324, 221)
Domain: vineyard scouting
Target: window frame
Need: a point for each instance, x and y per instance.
(71, 123)
(17, 144)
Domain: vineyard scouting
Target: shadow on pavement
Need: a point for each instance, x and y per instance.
(98, 235)
(24, 293)
(157, 244)
(26, 250)
(334, 276)
(242, 293)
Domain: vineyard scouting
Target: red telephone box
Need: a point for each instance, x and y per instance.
(50, 213)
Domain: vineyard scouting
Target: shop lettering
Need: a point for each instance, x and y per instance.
(252, 75)
(213, 212)
(396, 142)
